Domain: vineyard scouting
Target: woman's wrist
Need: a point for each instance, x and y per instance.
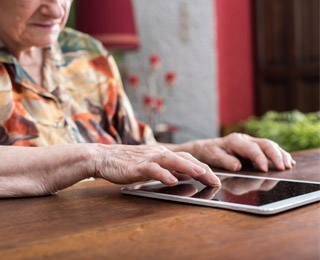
(34, 171)
(188, 147)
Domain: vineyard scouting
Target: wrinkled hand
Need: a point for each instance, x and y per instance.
(124, 164)
(225, 152)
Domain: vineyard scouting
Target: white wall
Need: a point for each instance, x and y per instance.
(192, 105)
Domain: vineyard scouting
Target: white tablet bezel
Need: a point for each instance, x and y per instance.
(267, 209)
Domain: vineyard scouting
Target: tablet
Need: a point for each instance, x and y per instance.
(247, 193)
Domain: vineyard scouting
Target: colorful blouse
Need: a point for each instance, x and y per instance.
(81, 98)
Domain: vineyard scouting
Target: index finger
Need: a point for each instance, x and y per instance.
(185, 163)
(244, 146)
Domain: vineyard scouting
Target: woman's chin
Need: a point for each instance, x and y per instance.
(44, 42)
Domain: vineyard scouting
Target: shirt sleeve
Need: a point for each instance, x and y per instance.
(118, 106)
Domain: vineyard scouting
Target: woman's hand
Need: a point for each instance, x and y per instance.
(36, 171)
(124, 164)
(226, 152)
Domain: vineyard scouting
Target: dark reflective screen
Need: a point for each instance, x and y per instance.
(241, 190)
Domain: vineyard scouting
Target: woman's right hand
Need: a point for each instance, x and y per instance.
(37, 171)
(125, 164)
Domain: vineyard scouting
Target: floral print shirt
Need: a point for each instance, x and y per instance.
(81, 98)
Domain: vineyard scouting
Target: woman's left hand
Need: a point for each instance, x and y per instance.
(226, 152)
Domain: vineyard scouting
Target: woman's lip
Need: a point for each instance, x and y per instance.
(45, 26)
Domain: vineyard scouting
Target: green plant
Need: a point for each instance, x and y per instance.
(292, 130)
(72, 16)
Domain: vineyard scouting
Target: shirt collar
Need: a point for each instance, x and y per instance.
(53, 59)
(5, 55)
(53, 55)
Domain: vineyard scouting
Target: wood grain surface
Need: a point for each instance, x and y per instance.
(93, 220)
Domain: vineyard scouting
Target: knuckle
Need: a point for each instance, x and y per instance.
(269, 143)
(234, 136)
(184, 154)
(148, 168)
(166, 154)
(151, 166)
(161, 148)
(163, 155)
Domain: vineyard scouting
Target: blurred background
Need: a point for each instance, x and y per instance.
(201, 69)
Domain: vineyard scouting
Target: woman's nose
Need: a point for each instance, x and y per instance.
(53, 8)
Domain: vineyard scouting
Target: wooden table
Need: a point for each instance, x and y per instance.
(93, 220)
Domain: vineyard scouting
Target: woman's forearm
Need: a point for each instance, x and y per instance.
(31, 171)
(35, 171)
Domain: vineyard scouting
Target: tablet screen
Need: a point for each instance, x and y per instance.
(238, 189)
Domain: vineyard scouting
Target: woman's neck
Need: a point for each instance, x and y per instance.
(32, 62)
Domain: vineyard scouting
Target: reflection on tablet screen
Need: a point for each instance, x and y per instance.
(247, 191)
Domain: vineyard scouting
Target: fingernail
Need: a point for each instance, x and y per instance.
(294, 162)
(289, 164)
(281, 165)
(172, 180)
(264, 167)
(237, 167)
(215, 180)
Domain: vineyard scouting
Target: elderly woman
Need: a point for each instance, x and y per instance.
(64, 115)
